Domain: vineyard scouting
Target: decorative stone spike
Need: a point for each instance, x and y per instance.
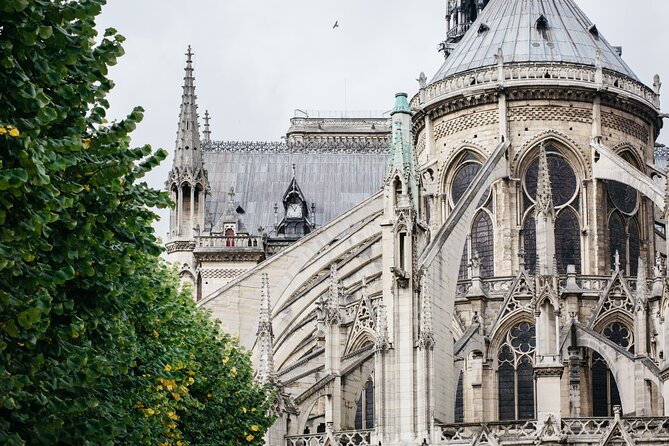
(332, 315)
(641, 286)
(426, 337)
(382, 340)
(544, 204)
(265, 335)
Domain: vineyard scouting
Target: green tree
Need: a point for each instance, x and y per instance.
(98, 344)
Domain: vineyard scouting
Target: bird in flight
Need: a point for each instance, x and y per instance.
(336, 25)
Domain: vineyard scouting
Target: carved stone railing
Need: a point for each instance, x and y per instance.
(517, 74)
(458, 30)
(504, 431)
(228, 242)
(580, 431)
(345, 438)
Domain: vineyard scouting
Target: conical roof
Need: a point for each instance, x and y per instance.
(564, 34)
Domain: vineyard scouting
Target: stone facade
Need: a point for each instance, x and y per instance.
(507, 285)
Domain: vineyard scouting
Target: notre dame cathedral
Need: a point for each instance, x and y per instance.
(483, 265)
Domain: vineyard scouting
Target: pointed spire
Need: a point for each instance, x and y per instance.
(382, 339)
(265, 335)
(207, 131)
(544, 190)
(188, 134)
(402, 160)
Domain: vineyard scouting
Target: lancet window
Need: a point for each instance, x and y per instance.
(364, 413)
(515, 373)
(565, 192)
(480, 242)
(623, 224)
(605, 394)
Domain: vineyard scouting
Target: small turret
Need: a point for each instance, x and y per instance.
(401, 163)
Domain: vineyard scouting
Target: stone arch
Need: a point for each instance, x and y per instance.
(628, 147)
(451, 165)
(308, 407)
(622, 365)
(498, 334)
(574, 153)
(610, 166)
(361, 338)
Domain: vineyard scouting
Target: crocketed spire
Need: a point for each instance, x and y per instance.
(187, 145)
(544, 191)
(265, 335)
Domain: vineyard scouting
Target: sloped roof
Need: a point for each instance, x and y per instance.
(512, 26)
(335, 180)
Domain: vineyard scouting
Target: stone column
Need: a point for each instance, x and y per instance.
(332, 321)
(191, 205)
(180, 209)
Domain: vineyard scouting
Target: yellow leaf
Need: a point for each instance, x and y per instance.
(155, 333)
(14, 133)
(244, 409)
(3, 130)
(254, 428)
(168, 367)
(250, 437)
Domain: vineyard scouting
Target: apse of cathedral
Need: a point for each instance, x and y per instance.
(483, 265)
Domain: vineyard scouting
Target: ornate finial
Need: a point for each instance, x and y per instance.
(189, 53)
(426, 336)
(599, 69)
(499, 57)
(657, 84)
(521, 259)
(207, 132)
(616, 261)
(544, 190)
(332, 314)
(265, 335)
(657, 270)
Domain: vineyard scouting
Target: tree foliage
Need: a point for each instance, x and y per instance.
(98, 344)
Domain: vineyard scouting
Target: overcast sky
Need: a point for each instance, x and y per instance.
(256, 61)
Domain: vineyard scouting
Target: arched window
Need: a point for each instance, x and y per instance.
(605, 394)
(515, 373)
(459, 416)
(229, 234)
(624, 235)
(482, 242)
(364, 413)
(481, 231)
(565, 190)
(567, 240)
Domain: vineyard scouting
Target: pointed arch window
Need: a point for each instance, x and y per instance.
(605, 394)
(568, 240)
(364, 412)
(623, 225)
(482, 242)
(515, 373)
(459, 416)
(481, 238)
(566, 192)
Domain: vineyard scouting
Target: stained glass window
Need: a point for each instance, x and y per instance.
(364, 411)
(464, 262)
(530, 242)
(605, 394)
(634, 245)
(515, 375)
(622, 196)
(482, 243)
(369, 404)
(563, 179)
(463, 178)
(459, 401)
(618, 239)
(567, 241)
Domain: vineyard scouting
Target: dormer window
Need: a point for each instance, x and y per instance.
(542, 23)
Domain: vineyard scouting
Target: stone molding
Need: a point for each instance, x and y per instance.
(374, 145)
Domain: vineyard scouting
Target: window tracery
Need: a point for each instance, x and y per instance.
(624, 236)
(364, 412)
(515, 374)
(605, 394)
(480, 242)
(566, 193)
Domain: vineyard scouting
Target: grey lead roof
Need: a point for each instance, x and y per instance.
(260, 173)
(512, 27)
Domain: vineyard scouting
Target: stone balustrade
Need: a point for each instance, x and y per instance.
(518, 74)
(346, 438)
(231, 242)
